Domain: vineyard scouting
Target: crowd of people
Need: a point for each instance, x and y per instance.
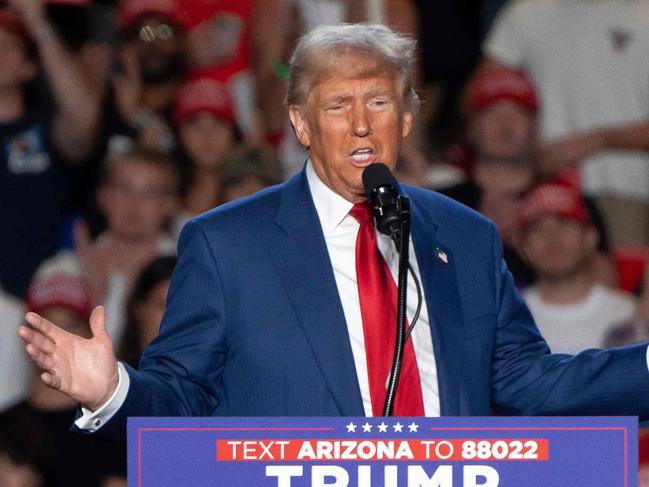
(121, 121)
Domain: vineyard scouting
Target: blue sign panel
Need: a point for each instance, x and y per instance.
(394, 452)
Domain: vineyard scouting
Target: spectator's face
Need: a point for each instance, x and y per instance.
(503, 130)
(137, 199)
(16, 65)
(206, 139)
(150, 311)
(558, 248)
(352, 118)
(160, 48)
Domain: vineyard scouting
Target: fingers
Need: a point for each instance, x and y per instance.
(51, 380)
(48, 329)
(40, 341)
(98, 322)
(42, 360)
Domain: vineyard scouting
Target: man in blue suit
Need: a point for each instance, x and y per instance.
(264, 316)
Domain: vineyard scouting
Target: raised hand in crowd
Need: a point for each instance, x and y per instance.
(78, 107)
(128, 84)
(96, 59)
(99, 258)
(84, 369)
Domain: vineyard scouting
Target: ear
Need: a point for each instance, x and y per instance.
(406, 123)
(300, 125)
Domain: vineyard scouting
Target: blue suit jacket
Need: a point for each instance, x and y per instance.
(255, 326)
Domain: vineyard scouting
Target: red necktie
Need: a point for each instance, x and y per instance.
(378, 298)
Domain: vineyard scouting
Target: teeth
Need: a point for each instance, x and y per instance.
(362, 156)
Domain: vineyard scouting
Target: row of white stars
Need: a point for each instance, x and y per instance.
(382, 428)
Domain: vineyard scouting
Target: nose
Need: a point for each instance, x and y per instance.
(361, 124)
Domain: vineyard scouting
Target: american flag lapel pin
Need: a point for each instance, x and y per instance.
(441, 255)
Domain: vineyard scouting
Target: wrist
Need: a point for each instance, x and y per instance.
(43, 34)
(112, 388)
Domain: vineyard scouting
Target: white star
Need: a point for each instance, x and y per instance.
(398, 428)
(367, 427)
(412, 427)
(351, 428)
(383, 428)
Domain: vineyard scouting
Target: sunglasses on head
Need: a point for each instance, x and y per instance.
(151, 33)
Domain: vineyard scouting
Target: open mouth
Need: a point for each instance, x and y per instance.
(363, 156)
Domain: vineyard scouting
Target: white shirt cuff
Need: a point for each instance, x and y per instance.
(91, 421)
(647, 357)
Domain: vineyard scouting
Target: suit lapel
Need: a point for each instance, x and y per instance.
(302, 260)
(437, 267)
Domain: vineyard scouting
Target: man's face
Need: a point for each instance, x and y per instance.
(137, 199)
(558, 248)
(16, 65)
(352, 118)
(159, 46)
(504, 130)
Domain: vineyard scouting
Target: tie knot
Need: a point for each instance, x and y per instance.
(362, 213)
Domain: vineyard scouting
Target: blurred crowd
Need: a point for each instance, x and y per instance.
(120, 121)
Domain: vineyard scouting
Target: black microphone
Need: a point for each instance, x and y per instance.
(382, 191)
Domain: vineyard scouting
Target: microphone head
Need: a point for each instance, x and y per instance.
(378, 175)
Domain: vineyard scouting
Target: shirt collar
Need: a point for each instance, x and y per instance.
(331, 207)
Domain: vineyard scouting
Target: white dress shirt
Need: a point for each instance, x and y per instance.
(340, 230)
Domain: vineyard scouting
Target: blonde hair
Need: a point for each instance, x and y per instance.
(322, 47)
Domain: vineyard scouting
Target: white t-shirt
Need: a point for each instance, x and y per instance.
(589, 60)
(572, 328)
(15, 366)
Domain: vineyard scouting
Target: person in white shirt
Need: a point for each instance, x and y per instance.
(572, 311)
(588, 60)
(15, 369)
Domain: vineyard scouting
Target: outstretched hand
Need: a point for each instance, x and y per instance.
(84, 369)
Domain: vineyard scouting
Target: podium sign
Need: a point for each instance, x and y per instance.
(394, 452)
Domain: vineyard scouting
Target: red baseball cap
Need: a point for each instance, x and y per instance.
(552, 199)
(501, 83)
(131, 10)
(60, 290)
(204, 94)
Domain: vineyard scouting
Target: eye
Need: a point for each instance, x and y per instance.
(379, 103)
